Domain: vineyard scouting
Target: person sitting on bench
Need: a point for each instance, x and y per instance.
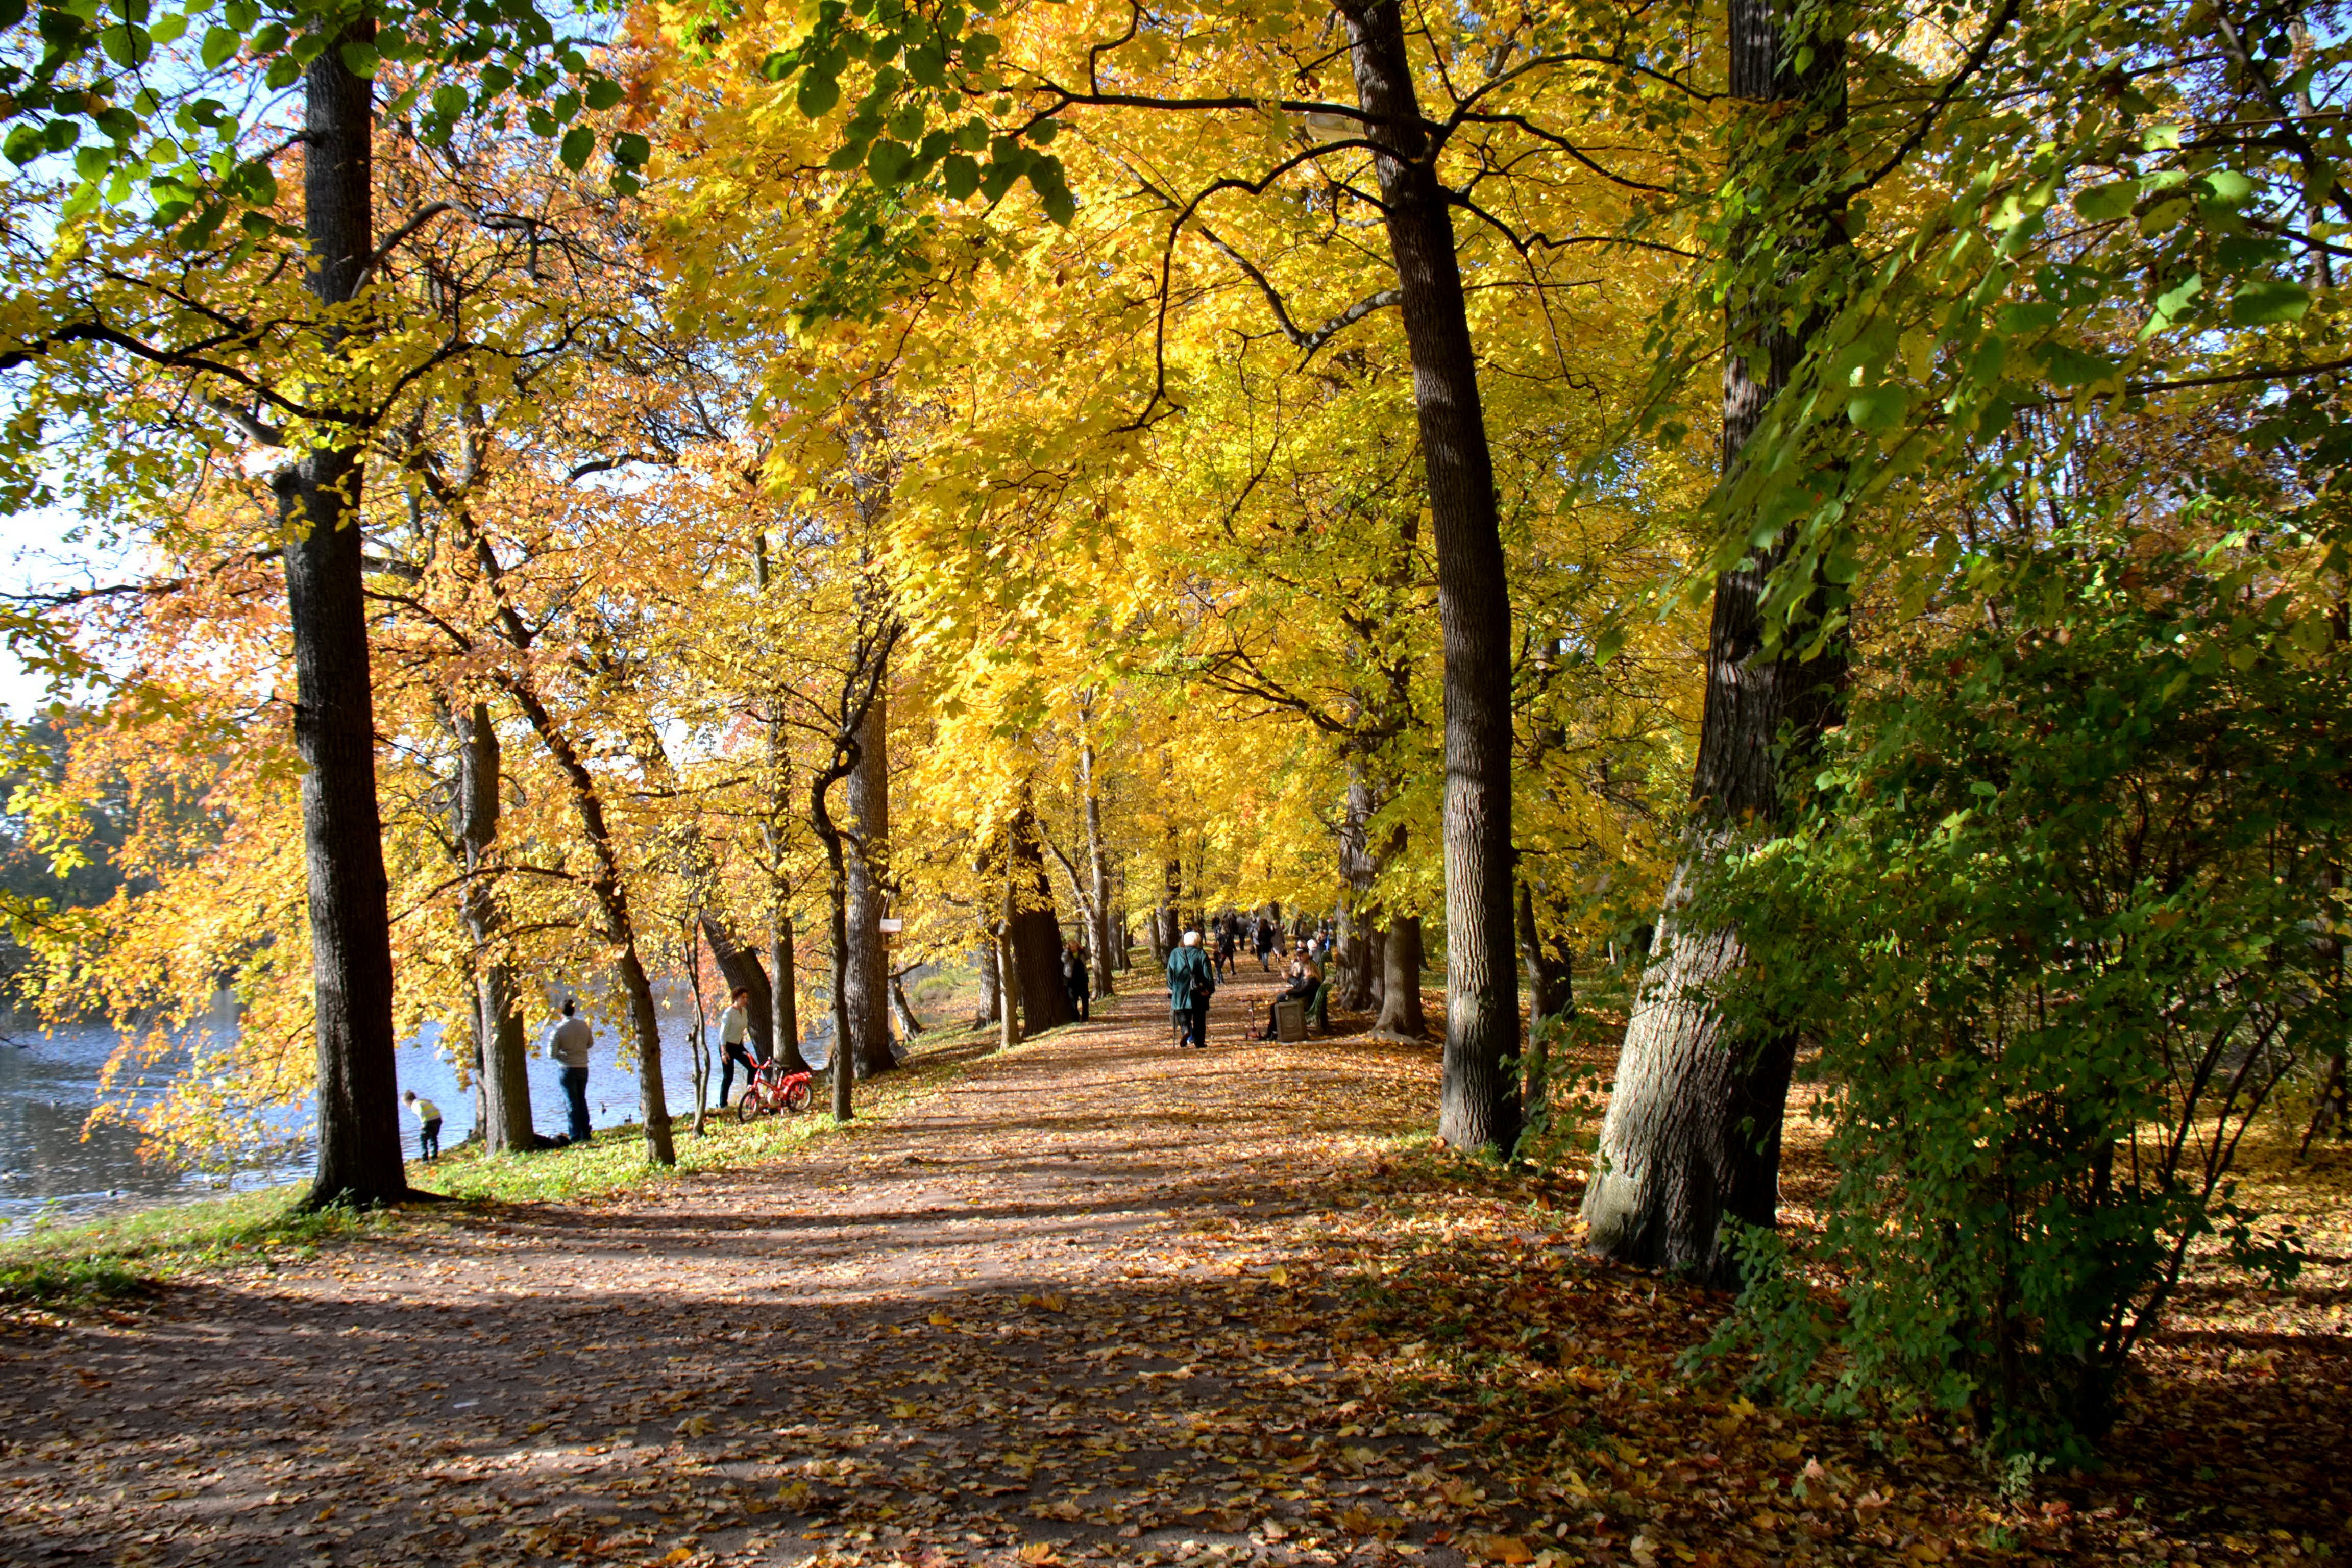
(1307, 981)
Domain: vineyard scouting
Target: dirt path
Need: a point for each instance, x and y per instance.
(1047, 1312)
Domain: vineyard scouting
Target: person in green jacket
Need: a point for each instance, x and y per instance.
(1191, 983)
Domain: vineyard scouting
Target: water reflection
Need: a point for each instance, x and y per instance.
(49, 1084)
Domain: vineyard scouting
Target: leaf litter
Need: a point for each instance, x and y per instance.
(1101, 1301)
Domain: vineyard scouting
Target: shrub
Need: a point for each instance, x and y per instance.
(2061, 913)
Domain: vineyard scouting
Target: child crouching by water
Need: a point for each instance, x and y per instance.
(429, 1134)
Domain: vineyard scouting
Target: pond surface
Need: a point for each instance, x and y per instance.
(53, 1163)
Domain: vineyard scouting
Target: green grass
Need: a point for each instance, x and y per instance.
(124, 1257)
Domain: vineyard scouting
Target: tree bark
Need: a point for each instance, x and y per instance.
(1401, 979)
(1008, 988)
(499, 1030)
(1550, 972)
(1352, 982)
(1479, 1103)
(1165, 932)
(992, 979)
(1693, 1133)
(1036, 934)
(739, 966)
(360, 1159)
(869, 883)
(1098, 924)
(784, 965)
(610, 895)
(904, 1010)
(841, 1062)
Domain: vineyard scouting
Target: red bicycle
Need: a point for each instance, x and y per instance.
(772, 1089)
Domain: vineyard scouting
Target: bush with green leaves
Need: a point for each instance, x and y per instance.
(2061, 913)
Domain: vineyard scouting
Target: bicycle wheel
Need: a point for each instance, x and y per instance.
(796, 1097)
(747, 1108)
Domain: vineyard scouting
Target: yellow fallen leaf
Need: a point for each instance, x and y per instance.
(1279, 1276)
(941, 1320)
(1036, 1552)
(694, 1426)
(902, 1411)
(678, 1554)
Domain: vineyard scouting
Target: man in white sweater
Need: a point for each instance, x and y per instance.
(569, 1045)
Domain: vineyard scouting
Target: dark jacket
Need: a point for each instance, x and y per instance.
(1074, 973)
(1190, 978)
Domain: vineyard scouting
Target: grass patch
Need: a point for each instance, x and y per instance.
(127, 1256)
(614, 1161)
(124, 1257)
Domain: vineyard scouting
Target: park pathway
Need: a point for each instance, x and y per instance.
(1063, 1308)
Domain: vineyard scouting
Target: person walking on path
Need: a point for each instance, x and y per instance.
(1263, 940)
(1073, 978)
(569, 1045)
(1191, 984)
(1225, 949)
(734, 1028)
(428, 1128)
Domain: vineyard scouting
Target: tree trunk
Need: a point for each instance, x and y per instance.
(499, 1030)
(784, 965)
(360, 1159)
(904, 1010)
(1098, 923)
(1478, 1105)
(611, 896)
(992, 979)
(1401, 979)
(1165, 932)
(841, 1061)
(739, 966)
(1036, 934)
(1008, 989)
(784, 974)
(869, 883)
(1693, 1133)
(1550, 971)
(1351, 986)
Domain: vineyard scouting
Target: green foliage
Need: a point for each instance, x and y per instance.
(135, 92)
(2063, 912)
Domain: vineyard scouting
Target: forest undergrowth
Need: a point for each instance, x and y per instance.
(1092, 1299)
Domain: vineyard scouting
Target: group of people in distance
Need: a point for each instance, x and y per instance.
(1194, 970)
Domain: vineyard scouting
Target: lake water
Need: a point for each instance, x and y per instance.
(48, 1086)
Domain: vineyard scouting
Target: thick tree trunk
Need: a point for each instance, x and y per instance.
(869, 883)
(1693, 1133)
(1036, 934)
(739, 966)
(1401, 979)
(1549, 970)
(359, 1158)
(1478, 1105)
(499, 1030)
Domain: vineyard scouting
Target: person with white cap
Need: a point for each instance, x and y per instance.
(1191, 983)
